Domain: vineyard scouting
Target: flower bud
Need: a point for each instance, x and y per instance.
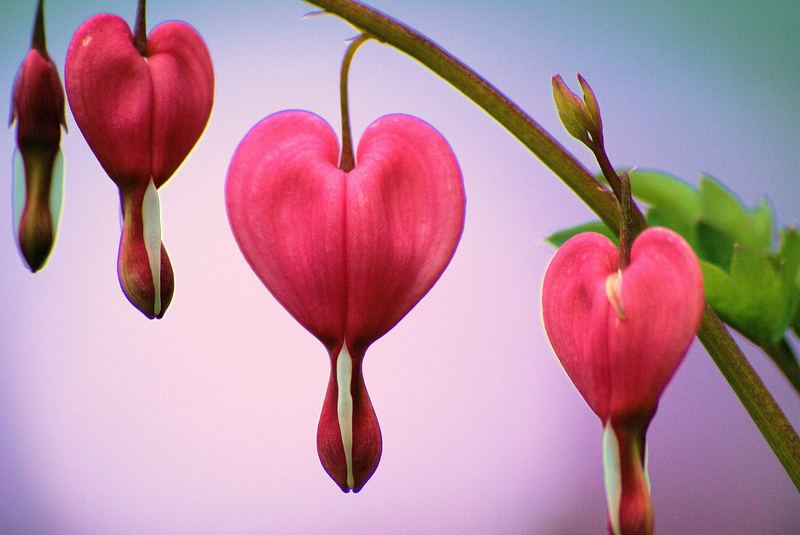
(37, 106)
(581, 118)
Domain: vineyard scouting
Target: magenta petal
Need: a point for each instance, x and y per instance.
(111, 96)
(140, 116)
(405, 214)
(621, 364)
(183, 93)
(285, 200)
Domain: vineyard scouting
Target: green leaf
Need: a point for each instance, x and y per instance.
(725, 213)
(714, 245)
(557, 239)
(665, 192)
(752, 297)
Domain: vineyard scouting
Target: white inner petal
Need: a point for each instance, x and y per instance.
(18, 191)
(344, 408)
(614, 293)
(57, 191)
(612, 476)
(151, 221)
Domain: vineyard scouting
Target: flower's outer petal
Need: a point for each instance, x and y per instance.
(574, 304)
(621, 363)
(662, 294)
(285, 201)
(111, 97)
(38, 103)
(183, 93)
(405, 215)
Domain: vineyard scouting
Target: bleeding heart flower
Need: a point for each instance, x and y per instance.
(38, 107)
(620, 335)
(141, 103)
(347, 254)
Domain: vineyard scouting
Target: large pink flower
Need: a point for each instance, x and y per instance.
(347, 254)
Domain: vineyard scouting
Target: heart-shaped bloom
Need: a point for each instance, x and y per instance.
(347, 254)
(37, 106)
(141, 112)
(620, 335)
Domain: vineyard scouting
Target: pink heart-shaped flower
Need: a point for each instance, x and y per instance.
(621, 363)
(620, 335)
(347, 254)
(140, 115)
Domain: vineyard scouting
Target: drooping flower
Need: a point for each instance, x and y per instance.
(38, 108)
(141, 101)
(348, 254)
(620, 335)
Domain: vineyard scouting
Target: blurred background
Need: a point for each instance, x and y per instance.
(204, 422)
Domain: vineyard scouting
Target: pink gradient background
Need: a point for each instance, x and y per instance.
(204, 422)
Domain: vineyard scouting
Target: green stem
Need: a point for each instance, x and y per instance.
(756, 399)
(347, 160)
(626, 235)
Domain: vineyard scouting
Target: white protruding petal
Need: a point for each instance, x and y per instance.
(18, 191)
(57, 191)
(614, 293)
(151, 221)
(612, 475)
(646, 471)
(344, 408)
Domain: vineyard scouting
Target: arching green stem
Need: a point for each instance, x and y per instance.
(759, 403)
(347, 160)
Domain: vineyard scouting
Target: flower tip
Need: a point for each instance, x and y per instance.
(150, 295)
(348, 436)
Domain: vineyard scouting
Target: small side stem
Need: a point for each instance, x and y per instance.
(626, 221)
(38, 39)
(347, 160)
(140, 29)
